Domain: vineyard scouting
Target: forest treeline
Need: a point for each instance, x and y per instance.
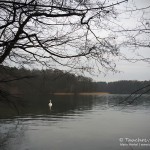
(43, 81)
(124, 87)
(22, 81)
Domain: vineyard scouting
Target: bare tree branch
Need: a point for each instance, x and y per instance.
(74, 34)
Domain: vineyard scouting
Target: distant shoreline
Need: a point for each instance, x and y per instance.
(82, 93)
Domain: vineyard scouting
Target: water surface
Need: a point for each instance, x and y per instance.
(77, 123)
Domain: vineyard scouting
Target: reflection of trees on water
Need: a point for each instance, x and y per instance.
(72, 103)
(120, 102)
(10, 130)
(123, 101)
(64, 107)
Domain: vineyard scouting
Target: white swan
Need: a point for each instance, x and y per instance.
(50, 103)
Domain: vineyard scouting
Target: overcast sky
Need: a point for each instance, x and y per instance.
(128, 70)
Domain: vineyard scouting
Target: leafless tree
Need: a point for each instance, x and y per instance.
(75, 34)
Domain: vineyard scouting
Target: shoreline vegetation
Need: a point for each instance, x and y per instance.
(56, 82)
(82, 93)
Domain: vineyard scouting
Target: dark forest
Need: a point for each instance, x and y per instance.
(23, 81)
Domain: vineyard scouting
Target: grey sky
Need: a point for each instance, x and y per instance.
(112, 28)
(130, 71)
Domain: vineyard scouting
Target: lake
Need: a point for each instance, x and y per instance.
(98, 122)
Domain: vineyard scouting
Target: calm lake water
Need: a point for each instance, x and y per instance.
(77, 123)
